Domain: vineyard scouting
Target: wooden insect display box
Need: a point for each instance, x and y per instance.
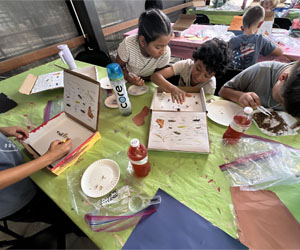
(179, 127)
(78, 121)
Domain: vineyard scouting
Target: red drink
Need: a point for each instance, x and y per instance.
(240, 123)
(138, 156)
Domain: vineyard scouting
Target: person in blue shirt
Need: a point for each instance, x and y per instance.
(20, 199)
(247, 47)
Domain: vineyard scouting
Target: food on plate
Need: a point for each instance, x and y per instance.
(273, 123)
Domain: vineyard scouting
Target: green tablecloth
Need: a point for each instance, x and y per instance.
(193, 179)
(217, 16)
(225, 16)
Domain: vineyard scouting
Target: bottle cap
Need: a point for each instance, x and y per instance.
(134, 143)
(114, 71)
(248, 110)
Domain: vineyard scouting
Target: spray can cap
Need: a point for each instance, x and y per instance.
(114, 71)
(248, 110)
(135, 143)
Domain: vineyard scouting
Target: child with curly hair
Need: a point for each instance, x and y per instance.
(210, 59)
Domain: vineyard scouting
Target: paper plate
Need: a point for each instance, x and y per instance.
(100, 178)
(111, 102)
(222, 111)
(105, 83)
(137, 90)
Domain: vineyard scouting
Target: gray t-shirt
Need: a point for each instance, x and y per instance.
(16, 196)
(247, 48)
(259, 78)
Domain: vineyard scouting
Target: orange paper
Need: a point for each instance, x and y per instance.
(264, 222)
(236, 23)
(139, 119)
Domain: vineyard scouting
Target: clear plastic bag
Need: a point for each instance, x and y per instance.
(118, 210)
(53, 108)
(257, 163)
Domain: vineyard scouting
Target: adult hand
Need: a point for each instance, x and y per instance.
(136, 80)
(249, 99)
(58, 149)
(179, 95)
(19, 132)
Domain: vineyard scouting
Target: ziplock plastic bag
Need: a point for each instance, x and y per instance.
(257, 163)
(119, 209)
(53, 108)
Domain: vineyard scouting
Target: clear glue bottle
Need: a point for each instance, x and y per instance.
(117, 81)
(240, 123)
(138, 156)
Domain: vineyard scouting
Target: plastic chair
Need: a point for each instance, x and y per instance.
(49, 236)
(283, 23)
(6, 230)
(202, 19)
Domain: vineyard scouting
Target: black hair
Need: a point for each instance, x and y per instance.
(153, 24)
(291, 91)
(253, 16)
(153, 4)
(215, 55)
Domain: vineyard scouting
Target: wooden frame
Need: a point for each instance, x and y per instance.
(36, 55)
(122, 26)
(25, 59)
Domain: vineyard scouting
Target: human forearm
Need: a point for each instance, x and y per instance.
(230, 94)
(160, 81)
(15, 174)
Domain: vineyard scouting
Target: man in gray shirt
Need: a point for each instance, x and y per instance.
(270, 84)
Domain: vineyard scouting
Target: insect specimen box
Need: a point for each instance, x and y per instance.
(78, 121)
(179, 127)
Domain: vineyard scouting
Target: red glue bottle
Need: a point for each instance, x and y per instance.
(240, 123)
(138, 156)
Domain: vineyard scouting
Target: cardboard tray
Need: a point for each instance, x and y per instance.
(179, 127)
(78, 121)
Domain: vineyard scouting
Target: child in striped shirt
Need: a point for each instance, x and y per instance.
(142, 54)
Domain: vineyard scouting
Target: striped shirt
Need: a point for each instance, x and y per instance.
(129, 52)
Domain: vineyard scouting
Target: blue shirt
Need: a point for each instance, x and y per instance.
(16, 196)
(247, 48)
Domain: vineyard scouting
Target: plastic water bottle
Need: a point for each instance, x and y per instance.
(117, 81)
(138, 156)
(240, 123)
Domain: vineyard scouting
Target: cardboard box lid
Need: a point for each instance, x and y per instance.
(82, 98)
(184, 22)
(28, 84)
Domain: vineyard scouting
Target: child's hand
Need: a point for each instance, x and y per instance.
(59, 149)
(179, 95)
(19, 132)
(136, 80)
(249, 99)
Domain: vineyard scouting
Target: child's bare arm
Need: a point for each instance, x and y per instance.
(249, 99)
(277, 52)
(136, 80)
(159, 78)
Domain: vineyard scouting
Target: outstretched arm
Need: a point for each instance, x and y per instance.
(159, 78)
(12, 175)
(246, 99)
